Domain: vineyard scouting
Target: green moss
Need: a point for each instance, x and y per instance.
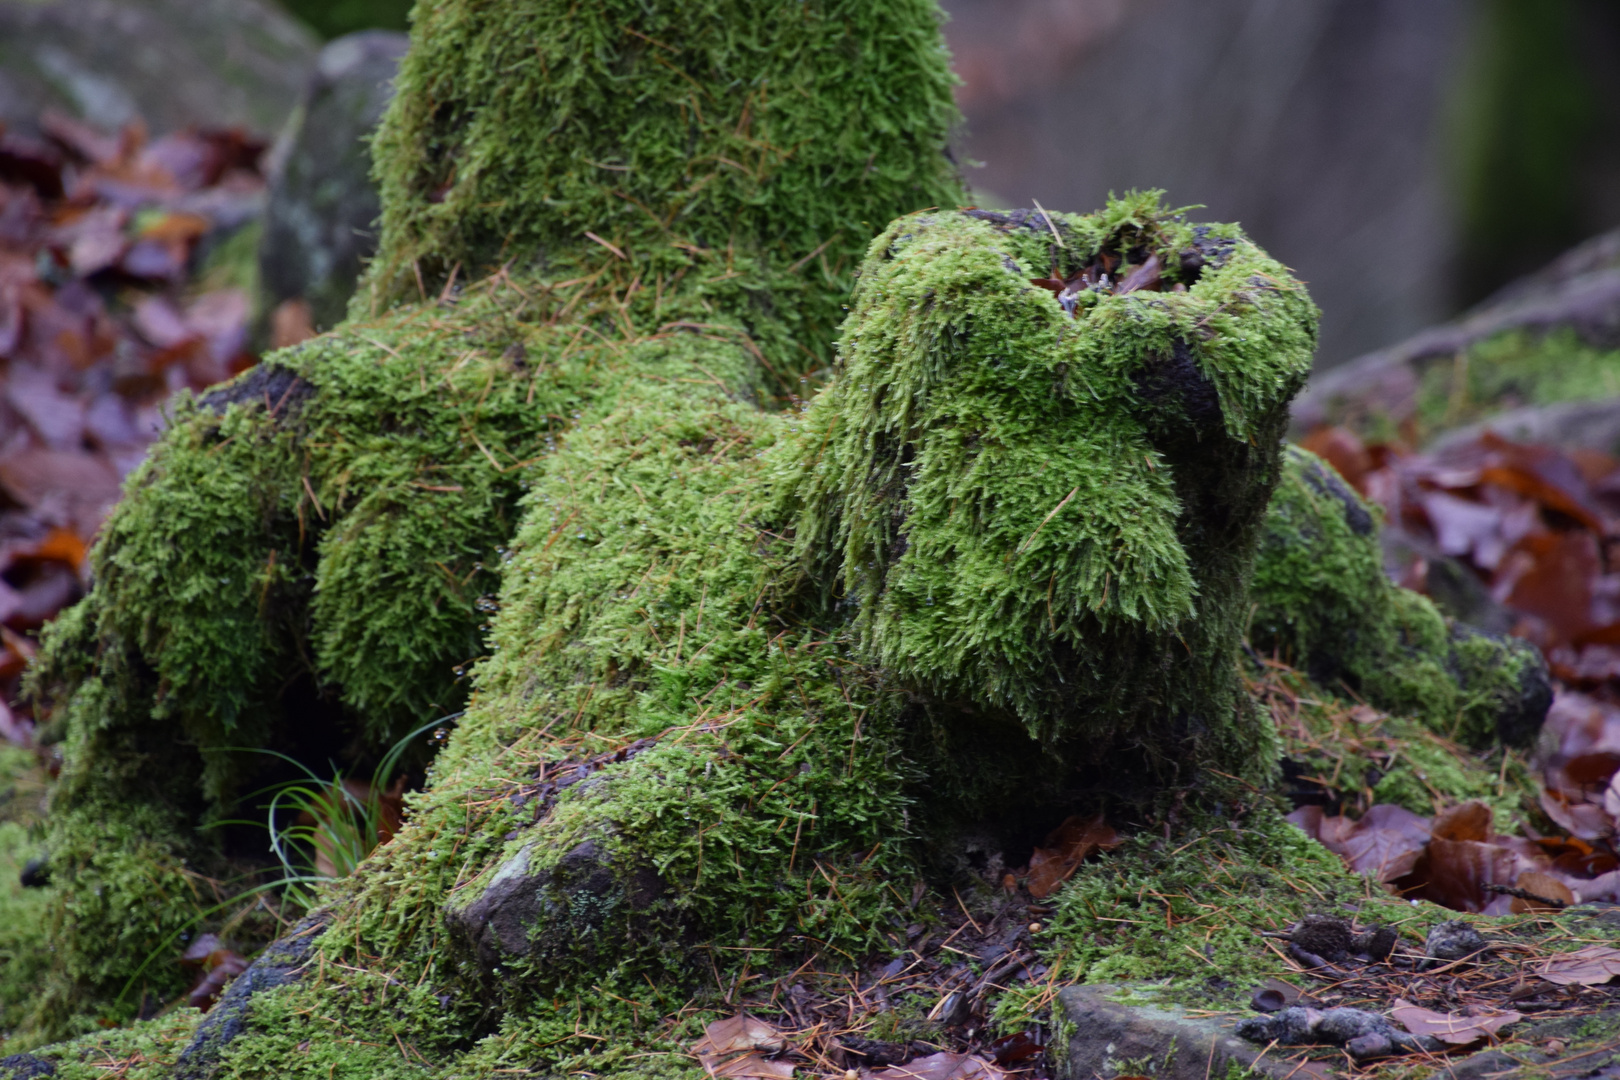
(1356, 757)
(1513, 369)
(703, 768)
(307, 565)
(144, 1051)
(351, 517)
(1321, 601)
(761, 146)
(1041, 514)
(25, 960)
(232, 262)
(1192, 908)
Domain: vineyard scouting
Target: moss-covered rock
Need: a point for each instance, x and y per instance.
(309, 557)
(1040, 512)
(1322, 602)
(742, 677)
(1551, 337)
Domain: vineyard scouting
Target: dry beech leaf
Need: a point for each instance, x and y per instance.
(1591, 966)
(1543, 885)
(730, 1048)
(944, 1066)
(1454, 873)
(1385, 842)
(1470, 821)
(1066, 847)
(1454, 1028)
(1583, 819)
(738, 1033)
(753, 1066)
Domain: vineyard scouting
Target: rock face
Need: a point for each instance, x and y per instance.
(525, 911)
(1549, 338)
(281, 962)
(320, 223)
(171, 63)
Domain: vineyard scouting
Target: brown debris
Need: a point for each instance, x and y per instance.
(100, 322)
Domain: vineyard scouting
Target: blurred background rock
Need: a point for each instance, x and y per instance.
(1406, 157)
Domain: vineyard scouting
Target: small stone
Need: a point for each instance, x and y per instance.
(1369, 1046)
(1453, 940)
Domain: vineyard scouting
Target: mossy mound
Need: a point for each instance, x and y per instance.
(1041, 511)
(672, 743)
(310, 556)
(757, 143)
(1323, 603)
(715, 726)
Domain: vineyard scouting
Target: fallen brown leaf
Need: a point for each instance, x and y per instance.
(730, 1048)
(1469, 821)
(1543, 885)
(1066, 847)
(1454, 1028)
(944, 1066)
(1591, 966)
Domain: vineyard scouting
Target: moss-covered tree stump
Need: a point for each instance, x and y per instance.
(740, 679)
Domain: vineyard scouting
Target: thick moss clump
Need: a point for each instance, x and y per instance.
(1323, 603)
(1047, 506)
(756, 142)
(740, 679)
(311, 555)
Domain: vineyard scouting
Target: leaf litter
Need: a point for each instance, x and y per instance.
(121, 283)
(1532, 530)
(115, 293)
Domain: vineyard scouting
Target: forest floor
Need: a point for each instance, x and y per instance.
(126, 276)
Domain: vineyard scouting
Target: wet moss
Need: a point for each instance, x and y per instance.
(703, 766)
(761, 147)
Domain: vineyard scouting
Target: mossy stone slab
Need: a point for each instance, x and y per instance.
(1111, 1037)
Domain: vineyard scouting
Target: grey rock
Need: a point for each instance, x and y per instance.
(1453, 940)
(551, 914)
(1162, 1039)
(1579, 291)
(281, 962)
(319, 226)
(171, 63)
